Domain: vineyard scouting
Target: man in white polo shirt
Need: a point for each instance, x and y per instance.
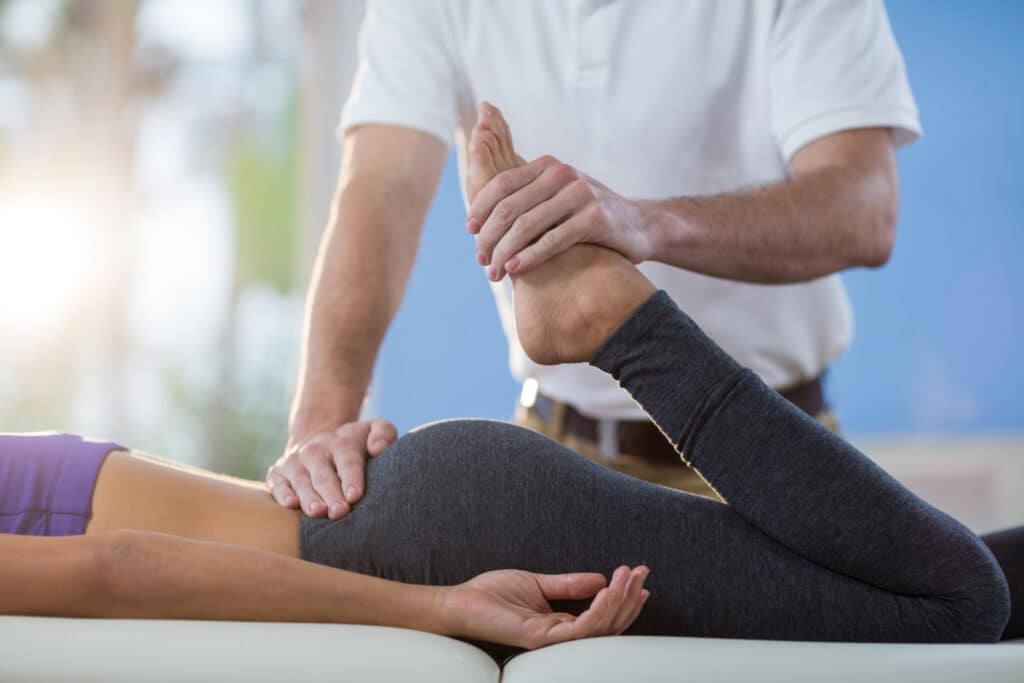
(741, 152)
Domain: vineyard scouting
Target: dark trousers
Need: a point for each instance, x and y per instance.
(813, 540)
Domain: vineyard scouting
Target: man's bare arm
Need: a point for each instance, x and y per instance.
(837, 211)
(388, 177)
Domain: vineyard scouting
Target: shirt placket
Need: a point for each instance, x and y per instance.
(594, 28)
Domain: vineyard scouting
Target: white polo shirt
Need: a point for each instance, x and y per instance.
(656, 99)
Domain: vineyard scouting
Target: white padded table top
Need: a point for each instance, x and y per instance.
(45, 649)
(34, 649)
(689, 660)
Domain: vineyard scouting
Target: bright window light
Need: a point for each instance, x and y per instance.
(43, 249)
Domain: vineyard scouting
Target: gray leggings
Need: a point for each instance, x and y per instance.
(815, 541)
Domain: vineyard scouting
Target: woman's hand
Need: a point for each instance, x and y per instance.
(511, 607)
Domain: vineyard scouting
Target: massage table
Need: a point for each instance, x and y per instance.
(55, 649)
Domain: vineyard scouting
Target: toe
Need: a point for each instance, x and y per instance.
(481, 161)
(493, 142)
(485, 116)
(501, 128)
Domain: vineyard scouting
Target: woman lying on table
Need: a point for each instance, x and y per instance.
(468, 527)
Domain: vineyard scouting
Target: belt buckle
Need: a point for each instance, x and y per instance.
(608, 439)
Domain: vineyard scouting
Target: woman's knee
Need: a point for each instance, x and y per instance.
(979, 609)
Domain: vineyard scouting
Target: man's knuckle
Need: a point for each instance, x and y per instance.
(523, 224)
(579, 188)
(313, 456)
(347, 428)
(323, 479)
(563, 173)
(350, 471)
(345, 442)
(284, 472)
(504, 210)
(593, 212)
(504, 182)
(552, 239)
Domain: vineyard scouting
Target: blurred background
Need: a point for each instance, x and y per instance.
(166, 168)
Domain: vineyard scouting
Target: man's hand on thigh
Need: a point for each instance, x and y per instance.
(325, 473)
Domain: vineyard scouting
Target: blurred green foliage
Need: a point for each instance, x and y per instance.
(263, 178)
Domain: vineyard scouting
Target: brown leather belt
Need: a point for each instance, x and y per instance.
(641, 439)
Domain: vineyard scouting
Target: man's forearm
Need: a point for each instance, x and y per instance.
(814, 225)
(357, 286)
(156, 576)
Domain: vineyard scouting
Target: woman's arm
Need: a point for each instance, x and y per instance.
(134, 574)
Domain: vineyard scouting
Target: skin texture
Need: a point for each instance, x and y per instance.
(837, 211)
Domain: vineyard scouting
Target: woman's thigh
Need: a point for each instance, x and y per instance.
(462, 497)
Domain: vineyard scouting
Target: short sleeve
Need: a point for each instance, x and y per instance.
(836, 66)
(406, 74)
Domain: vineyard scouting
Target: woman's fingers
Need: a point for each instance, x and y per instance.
(616, 607)
(574, 586)
(597, 619)
(632, 600)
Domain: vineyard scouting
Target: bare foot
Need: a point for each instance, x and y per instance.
(568, 306)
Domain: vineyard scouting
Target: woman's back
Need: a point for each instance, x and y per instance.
(137, 491)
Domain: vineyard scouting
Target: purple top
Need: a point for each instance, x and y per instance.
(47, 481)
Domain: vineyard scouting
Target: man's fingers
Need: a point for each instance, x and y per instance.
(323, 477)
(382, 435)
(351, 467)
(282, 491)
(310, 502)
(553, 242)
(501, 186)
(531, 225)
(511, 209)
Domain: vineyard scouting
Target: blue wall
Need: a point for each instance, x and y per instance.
(937, 329)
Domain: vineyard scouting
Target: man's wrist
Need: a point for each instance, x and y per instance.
(672, 230)
(303, 426)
